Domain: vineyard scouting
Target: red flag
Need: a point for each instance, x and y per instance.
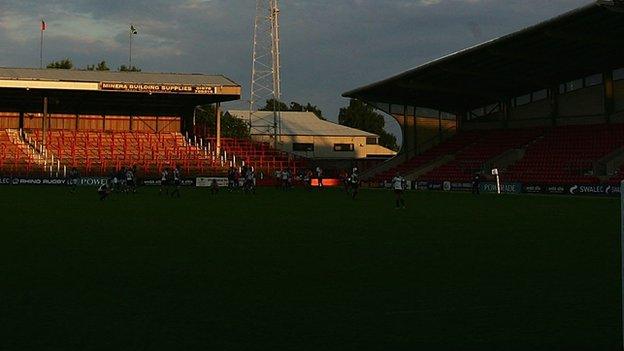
(43, 25)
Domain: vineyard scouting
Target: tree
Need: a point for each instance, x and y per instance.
(102, 66)
(124, 68)
(294, 106)
(62, 64)
(231, 127)
(361, 116)
(272, 105)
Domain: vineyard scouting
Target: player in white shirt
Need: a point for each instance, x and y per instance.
(319, 176)
(398, 185)
(164, 182)
(354, 183)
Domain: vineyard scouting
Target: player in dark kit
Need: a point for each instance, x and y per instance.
(177, 181)
(73, 179)
(476, 181)
(104, 191)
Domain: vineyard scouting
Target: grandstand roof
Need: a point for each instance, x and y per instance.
(73, 91)
(107, 76)
(581, 42)
(298, 123)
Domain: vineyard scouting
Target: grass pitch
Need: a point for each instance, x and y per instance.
(315, 271)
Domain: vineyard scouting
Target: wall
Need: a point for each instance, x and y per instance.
(583, 106)
(582, 102)
(93, 122)
(9, 120)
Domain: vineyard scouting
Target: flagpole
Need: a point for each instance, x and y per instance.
(130, 56)
(41, 46)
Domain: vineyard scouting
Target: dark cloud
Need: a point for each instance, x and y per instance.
(328, 46)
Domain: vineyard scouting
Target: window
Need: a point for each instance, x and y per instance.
(574, 85)
(372, 141)
(523, 100)
(540, 95)
(592, 80)
(344, 147)
(303, 147)
(618, 74)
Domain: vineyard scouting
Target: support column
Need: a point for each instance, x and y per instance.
(415, 133)
(554, 104)
(506, 107)
(21, 120)
(609, 91)
(43, 121)
(439, 126)
(218, 118)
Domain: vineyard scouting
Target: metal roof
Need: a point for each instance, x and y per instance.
(67, 75)
(576, 44)
(298, 123)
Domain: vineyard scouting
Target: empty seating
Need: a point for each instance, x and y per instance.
(260, 155)
(100, 152)
(489, 144)
(567, 154)
(449, 147)
(15, 156)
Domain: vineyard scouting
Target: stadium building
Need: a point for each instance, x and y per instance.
(545, 105)
(52, 120)
(306, 135)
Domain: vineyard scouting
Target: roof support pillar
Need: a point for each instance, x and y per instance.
(506, 107)
(408, 126)
(21, 119)
(439, 126)
(43, 121)
(218, 118)
(609, 91)
(553, 96)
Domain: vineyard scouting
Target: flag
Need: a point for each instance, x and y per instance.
(133, 30)
(43, 25)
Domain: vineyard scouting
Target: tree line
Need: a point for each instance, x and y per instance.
(101, 66)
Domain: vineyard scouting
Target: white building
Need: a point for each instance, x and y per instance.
(304, 134)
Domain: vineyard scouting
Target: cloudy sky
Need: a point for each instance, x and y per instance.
(328, 46)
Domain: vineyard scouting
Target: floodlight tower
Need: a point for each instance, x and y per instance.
(265, 72)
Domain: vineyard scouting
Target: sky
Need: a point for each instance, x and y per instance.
(328, 46)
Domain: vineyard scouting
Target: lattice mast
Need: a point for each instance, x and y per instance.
(265, 75)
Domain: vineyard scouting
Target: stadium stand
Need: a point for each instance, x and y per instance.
(259, 155)
(566, 155)
(15, 156)
(488, 145)
(97, 153)
(558, 155)
(448, 147)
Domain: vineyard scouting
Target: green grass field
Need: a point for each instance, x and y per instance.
(314, 271)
